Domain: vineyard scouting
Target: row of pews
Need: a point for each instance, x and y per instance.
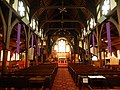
(93, 78)
(40, 76)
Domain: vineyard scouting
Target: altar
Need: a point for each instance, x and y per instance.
(62, 60)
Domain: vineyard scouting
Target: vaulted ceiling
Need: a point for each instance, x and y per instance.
(68, 16)
(64, 18)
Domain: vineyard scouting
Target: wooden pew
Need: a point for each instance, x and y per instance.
(78, 69)
(21, 82)
(81, 70)
(47, 71)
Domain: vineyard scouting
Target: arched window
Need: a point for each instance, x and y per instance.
(62, 46)
(105, 7)
(21, 8)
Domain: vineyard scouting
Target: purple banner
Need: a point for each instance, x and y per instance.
(108, 37)
(38, 47)
(18, 38)
(93, 40)
(38, 50)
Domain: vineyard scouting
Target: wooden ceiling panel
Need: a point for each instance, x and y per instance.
(63, 17)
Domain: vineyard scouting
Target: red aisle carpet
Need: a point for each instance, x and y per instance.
(63, 80)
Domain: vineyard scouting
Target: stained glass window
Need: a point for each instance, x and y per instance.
(21, 8)
(105, 7)
(91, 23)
(62, 46)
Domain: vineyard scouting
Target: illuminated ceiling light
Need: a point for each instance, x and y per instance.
(105, 7)
(21, 8)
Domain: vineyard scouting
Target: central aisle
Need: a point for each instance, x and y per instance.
(63, 80)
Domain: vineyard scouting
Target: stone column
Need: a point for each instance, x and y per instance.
(27, 46)
(98, 46)
(76, 48)
(41, 51)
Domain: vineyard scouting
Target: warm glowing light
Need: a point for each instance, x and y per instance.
(106, 41)
(61, 45)
(56, 48)
(118, 53)
(15, 56)
(67, 48)
(94, 58)
(8, 56)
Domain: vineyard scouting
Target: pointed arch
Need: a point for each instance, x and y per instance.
(4, 23)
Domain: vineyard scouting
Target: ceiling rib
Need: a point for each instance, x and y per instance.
(64, 28)
(69, 7)
(63, 21)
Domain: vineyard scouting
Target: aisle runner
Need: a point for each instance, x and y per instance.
(64, 81)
